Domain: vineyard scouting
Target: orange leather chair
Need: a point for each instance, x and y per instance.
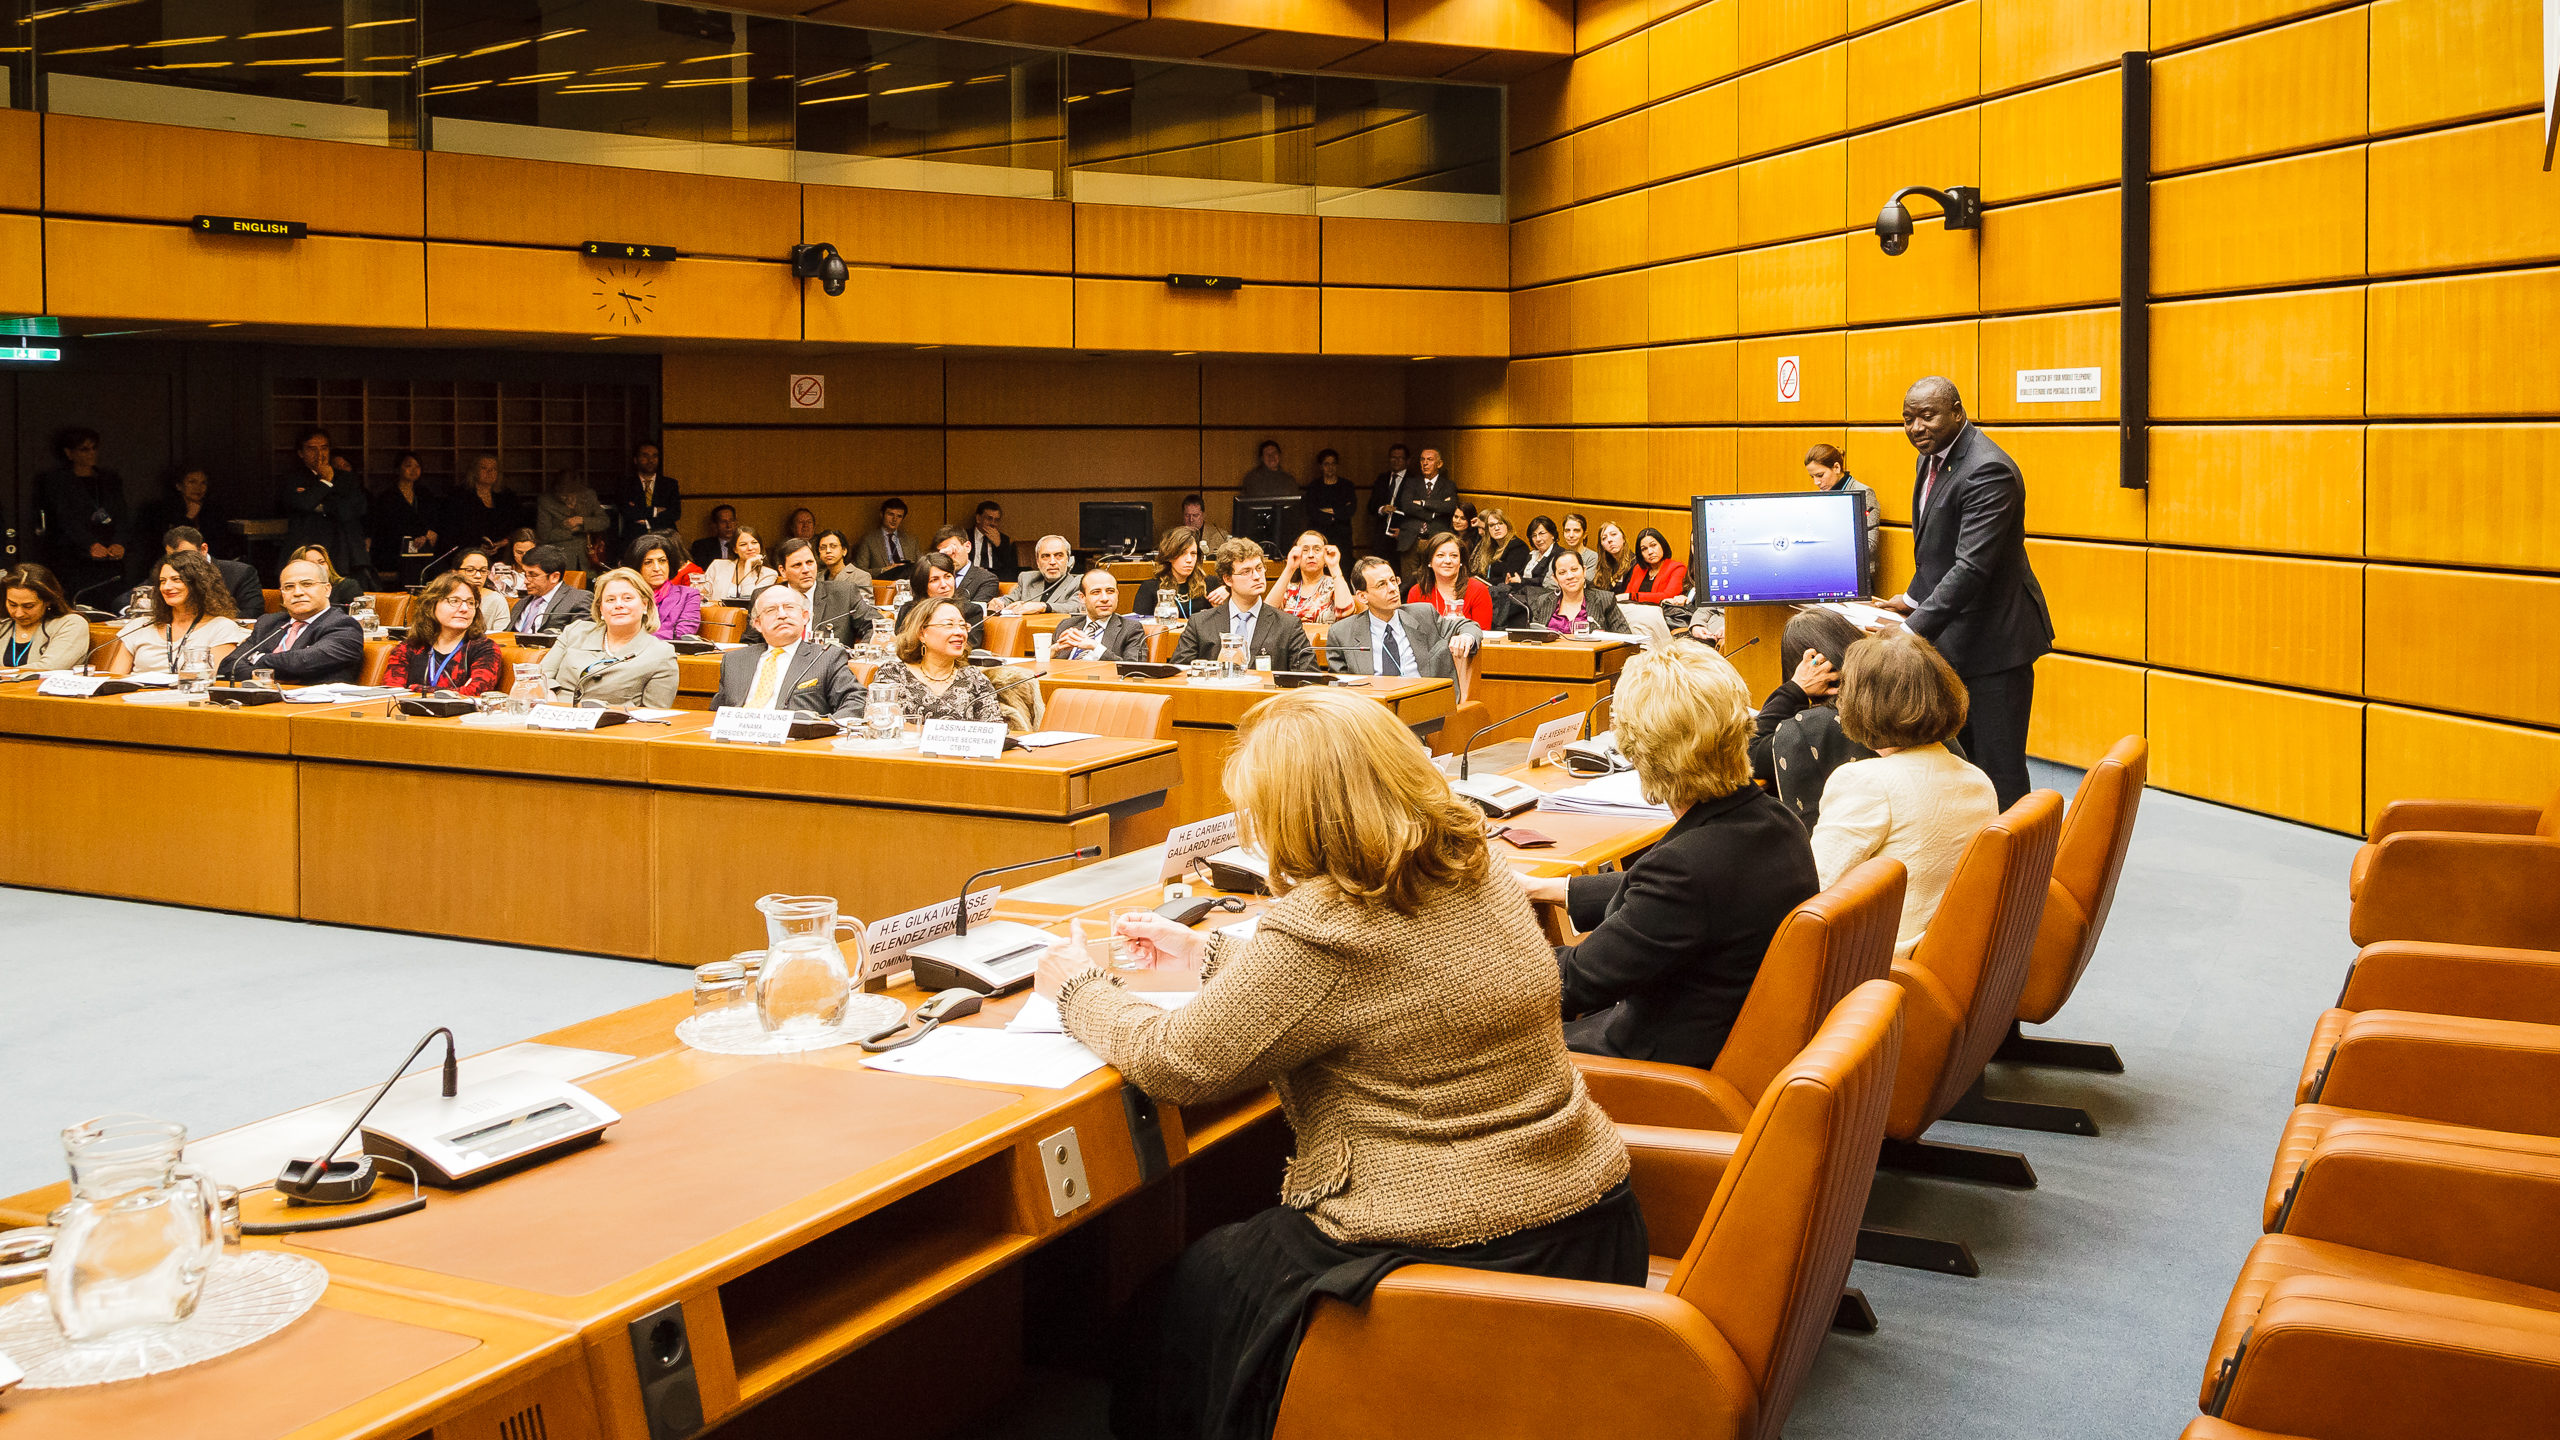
(2464, 872)
(2096, 831)
(1005, 636)
(1825, 948)
(723, 623)
(275, 602)
(578, 581)
(1316, 636)
(1716, 1354)
(2473, 980)
(1162, 644)
(1964, 981)
(106, 647)
(392, 608)
(1130, 715)
(1462, 722)
(2332, 1359)
(377, 659)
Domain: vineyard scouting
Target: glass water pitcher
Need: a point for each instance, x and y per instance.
(804, 983)
(133, 1246)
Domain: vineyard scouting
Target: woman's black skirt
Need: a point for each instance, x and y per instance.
(1208, 1347)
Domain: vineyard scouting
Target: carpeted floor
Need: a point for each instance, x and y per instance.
(2099, 1289)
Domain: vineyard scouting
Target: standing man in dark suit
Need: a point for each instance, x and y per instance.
(1428, 500)
(647, 500)
(549, 602)
(1276, 635)
(1972, 594)
(1388, 637)
(1383, 497)
(308, 642)
(788, 672)
(326, 508)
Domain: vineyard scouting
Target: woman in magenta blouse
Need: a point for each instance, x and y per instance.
(679, 604)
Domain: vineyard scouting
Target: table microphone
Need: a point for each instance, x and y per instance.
(1001, 955)
(323, 1181)
(1738, 649)
(1467, 751)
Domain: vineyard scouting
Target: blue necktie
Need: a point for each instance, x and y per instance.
(1393, 664)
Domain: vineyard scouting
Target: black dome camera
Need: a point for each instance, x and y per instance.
(1893, 228)
(1961, 204)
(821, 263)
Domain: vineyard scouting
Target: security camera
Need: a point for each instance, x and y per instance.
(1893, 228)
(1960, 204)
(821, 263)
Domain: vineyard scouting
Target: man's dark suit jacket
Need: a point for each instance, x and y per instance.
(639, 519)
(1124, 637)
(248, 592)
(1426, 635)
(706, 550)
(817, 682)
(1677, 936)
(1000, 555)
(979, 584)
(1276, 633)
(568, 603)
(1420, 516)
(1977, 600)
(330, 652)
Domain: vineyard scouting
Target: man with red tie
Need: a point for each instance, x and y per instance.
(309, 642)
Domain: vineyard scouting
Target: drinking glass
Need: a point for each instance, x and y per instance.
(528, 692)
(880, 711)
(1230, 655)
(195, 668)
(263, 678)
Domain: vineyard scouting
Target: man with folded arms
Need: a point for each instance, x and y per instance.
(309, 642)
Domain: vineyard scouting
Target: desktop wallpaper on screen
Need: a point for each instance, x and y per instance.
(1779, 546)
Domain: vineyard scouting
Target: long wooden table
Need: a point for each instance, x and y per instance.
(1207, 712)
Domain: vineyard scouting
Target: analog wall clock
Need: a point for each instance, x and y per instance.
(625, 295)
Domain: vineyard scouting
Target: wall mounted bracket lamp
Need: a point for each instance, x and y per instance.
(821, 263)
(1962, 205)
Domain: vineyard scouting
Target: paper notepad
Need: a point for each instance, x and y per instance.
(993, 1057)
(1620, 795)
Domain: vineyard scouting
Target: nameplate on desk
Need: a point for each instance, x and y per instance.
(63, 682)
(262, 229)
(564, 717)
(751, 727)
(962, 739)
(885, 942)
(1553, 736)
(1185, 843)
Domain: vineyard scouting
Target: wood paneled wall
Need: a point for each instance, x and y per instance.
(2354, 466)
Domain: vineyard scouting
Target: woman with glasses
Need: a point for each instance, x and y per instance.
(932, 672)
(613, 657)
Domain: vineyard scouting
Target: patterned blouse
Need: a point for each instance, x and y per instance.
(1310, 602)
(474, 670)
(970, 695)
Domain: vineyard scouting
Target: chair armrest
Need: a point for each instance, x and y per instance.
(2205, 1427)
(2501, 890)
(2485, 1208)
(1444, 1351)
(2486, 981)
(2477, 817)
(2355, 1360)
(1650, 1092)
(1675, 1175)
(2493, 1074)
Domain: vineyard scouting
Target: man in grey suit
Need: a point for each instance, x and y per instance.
(1098, 631)
(1051, 587)
(1972, 593)
(1388, 638)
(549, 601)
(839, 608)
(887, 551)
(788, 672)
(1275, 635)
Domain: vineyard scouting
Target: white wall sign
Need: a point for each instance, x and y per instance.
(1553, 736)
(808, 392)
(2051, 387)
(886, 941)
(751, 727)
(1200, 837)
(1790, 379)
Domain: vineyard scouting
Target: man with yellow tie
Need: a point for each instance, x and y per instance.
(788, 671)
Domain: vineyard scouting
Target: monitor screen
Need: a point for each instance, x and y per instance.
(1788, 545)
(1115, 525)
(1273, 522)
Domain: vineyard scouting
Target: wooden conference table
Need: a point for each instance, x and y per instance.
(1514, 677)
(826, 1234)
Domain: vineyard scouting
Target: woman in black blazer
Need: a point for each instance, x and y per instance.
(1569, 595)
(1673, 942)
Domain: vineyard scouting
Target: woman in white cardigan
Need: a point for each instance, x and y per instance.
(1915, 801)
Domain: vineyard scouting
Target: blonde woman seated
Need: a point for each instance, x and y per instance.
(44, 632)
(1401, 1000)
(1915, 801)
(1311, 586)
(612, 656)
(932, 672)
(735, 581)
(190, 608)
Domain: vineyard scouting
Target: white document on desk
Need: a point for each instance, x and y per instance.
(1043, 739)
(993, 1057)
(1039, 1014)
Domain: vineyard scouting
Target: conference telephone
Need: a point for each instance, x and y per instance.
(1497, 795)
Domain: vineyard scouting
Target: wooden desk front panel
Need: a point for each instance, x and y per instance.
(717, 854)
(77, 824)
(584, 884)
(1505, 695)
(617, 755)
(262, 730)
(1556, 660)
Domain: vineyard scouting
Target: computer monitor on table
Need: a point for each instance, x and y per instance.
(1788, 545)
(1116, 526)
(1274, 524)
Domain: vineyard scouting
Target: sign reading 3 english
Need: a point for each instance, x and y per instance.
(253, 229)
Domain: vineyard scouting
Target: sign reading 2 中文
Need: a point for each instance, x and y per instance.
(258, 229)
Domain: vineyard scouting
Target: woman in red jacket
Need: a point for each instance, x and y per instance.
(1656, 576)
(1446, 586)
(446, 648)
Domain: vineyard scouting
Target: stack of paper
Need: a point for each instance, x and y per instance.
(992, 1057)
(1618, 796)
(337, 694)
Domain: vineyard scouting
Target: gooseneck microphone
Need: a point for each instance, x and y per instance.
(323, 1181)
(1088, 852)
(1466, 752)
(1738, 649)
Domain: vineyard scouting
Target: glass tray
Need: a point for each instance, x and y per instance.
(248, 1296)
(732, 1029)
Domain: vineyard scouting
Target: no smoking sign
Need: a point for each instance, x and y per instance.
(808, 392)
(1790, 380)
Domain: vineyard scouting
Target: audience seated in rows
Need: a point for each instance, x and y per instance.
(1572, 600)
(190, 610)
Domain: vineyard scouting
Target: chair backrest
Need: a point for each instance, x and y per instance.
(726, 623)
(391, 607)
(377, 658)
(1316, 636)
(2086, 864)
(1965, 976)
(512, 656)
(578, 581)
(1005, 636)
(1769, 1258)
(1470, 671)
(1128, 714)
(104, 650)
(275, 602)
(2549, 826)
(1162, 644)
(1463, 721)
(882, 592)
(1825, 948)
